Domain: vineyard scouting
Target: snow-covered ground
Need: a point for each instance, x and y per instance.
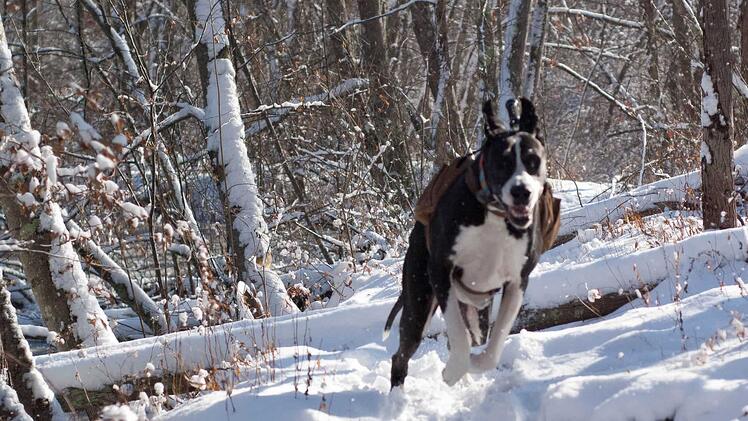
(670, 359)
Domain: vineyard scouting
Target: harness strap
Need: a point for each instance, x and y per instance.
(479, 187)
(488, 294)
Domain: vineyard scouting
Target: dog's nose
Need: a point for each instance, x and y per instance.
(520, 194)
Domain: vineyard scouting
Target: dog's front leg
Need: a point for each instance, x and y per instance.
(511, 301)
(459, 342)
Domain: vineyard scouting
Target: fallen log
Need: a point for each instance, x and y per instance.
(578, 310)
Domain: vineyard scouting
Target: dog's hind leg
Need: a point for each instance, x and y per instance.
(417, 309)
(511, 301)
(417, 304)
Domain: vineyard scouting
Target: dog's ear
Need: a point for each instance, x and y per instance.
(513, 110)
(528, 120)
(491, 122)
(522, 115)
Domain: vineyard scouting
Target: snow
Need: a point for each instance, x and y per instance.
(134, 210)
(572, 192)
(705, 153)
(639, 362)
(87, 133)
(118, 413)
(210, 26)
(709, 102)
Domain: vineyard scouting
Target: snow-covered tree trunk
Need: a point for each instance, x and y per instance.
(52, 266)
(718, 202)
(10, 408)
(248, 232)
(512, 57)
(33, 392)
(208, 273)
(537, 40)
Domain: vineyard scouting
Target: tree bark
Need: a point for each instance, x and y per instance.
(743, 28)
(718, 203)
(683, 88)
(650, 17)
(10, 408)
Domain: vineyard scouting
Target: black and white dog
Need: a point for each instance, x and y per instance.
(482, 241)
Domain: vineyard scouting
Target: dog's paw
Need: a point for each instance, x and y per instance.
(482, 362)
(452, 373)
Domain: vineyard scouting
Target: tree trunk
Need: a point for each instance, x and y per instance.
(512, 58)
(718, 203)
(338, 58)
(743, 28)
(650, 17)
(247, 230)
(537, 39)
(382, 104)
(486, 65)
(51, 265)
(431, 31)
(33, 392)
(682, 87)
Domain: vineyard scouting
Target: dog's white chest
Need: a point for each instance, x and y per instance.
(489, 255)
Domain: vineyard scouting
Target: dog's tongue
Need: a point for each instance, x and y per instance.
(519, 210)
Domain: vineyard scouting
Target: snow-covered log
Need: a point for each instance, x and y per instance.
(31, 389)
(671, 193)
(53, 267)
(228, 151)
(181, 354)
(595, 289)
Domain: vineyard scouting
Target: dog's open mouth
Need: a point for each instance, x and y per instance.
(519, 215)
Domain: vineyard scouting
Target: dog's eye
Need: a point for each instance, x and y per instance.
(532, 163)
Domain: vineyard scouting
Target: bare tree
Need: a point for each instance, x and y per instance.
(718, 202)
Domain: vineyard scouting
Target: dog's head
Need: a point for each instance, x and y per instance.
(514, 160)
